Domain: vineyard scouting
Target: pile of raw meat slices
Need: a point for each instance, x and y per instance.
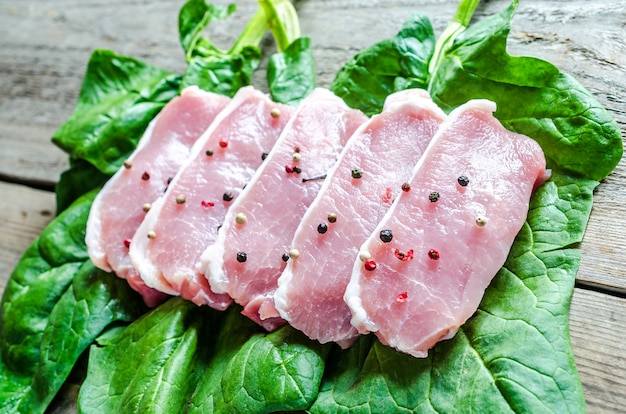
(319, 216)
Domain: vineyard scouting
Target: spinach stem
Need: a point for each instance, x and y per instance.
(459, 23)
(252, 34)
(282, 21)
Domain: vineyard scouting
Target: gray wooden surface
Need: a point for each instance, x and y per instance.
(45, 45)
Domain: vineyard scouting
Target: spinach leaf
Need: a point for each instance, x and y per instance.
(118, 98)
(77, 180)
(215, 361)
(291, 74)
(387, 67)
(93, 301)
(576, 133)
(27, 302)
(37, 283)
(223, 74)
(558, 214)
(209, 67)
(150, 366)
(252, 371)
(223, 71)
(193, 18)
(54, 305)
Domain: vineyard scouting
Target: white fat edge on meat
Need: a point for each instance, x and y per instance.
(139, 246)
(93, 234)
(360, 319)
(212, 262)
(212, 259)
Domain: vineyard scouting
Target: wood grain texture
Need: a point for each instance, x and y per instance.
(599, 342)
(45, 46)
(24, 212)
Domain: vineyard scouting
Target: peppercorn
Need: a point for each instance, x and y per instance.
(386, 235)
(242, 257)
(463, 181)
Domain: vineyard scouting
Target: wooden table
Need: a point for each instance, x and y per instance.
(45, 45)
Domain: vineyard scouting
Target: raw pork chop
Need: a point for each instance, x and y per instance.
(118, 209)
(449, 235)
(247, 257)
(181, 224)
(346, 211)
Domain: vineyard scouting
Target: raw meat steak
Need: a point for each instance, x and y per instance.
(449, 235)
(118, 209)
(184, 221)
(346, 211)
(247, 257)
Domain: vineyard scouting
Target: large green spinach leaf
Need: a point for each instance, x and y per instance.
(245, 357)
(53, 307)
(150, 366)
(77, 180)
(387, 67)
(291, 74)
(216, 362)
(118, 98)
(209, 67)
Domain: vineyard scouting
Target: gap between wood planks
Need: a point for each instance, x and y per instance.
(600, 288)
(31, 183)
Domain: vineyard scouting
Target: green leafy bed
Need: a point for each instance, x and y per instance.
(62, 318)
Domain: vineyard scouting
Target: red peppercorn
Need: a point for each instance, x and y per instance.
(288, 168)
(127, 243)
(145, 176)
(404, 256)
(433, 254)
(401, 298)
(223, 143)
(406, 187)
(370, 265)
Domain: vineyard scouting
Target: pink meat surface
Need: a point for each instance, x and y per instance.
(453, 242)
(185, 220)
(261, 223)
(118, 209)
(386, 148)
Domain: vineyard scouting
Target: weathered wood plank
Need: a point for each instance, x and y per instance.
(599, 342)
(24, 213)
(603, 245)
